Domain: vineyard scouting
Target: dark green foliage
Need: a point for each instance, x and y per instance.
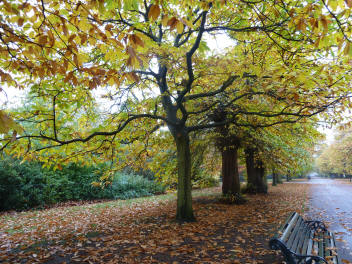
(21, 185)
(205, 181)
(28, 185)
(126, 186)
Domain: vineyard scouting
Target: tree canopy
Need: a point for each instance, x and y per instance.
(152, 63)
(335, 158)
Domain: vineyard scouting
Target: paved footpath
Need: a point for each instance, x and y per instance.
(331, 201)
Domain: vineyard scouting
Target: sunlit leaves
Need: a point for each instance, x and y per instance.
(7, 124)
(154, 12)
(133, 57)
(348, 3)
(336, 157)
(135, 40)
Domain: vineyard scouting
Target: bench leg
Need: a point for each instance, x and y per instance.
(276, 244)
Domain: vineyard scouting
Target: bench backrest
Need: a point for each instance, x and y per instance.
(296, 234)
(299, 237)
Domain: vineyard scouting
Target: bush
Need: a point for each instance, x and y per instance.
(140, 186)
(206, 181)
(28, 185)
(20, 184)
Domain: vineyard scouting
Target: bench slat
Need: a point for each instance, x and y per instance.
(305, 245)
(331, 244)
(310, 244)
(321, 244)
(315, 247)
(284, 225)
(297, 247)
(290, 225)
(327, 252)
(295, 233)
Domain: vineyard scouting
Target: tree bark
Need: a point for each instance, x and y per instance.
(256, 181)
(184, 211)
(261, 184)
(184, 186)
(279, 179)
(288, 178)
(230, 175)
(274, 178)
(250, 166)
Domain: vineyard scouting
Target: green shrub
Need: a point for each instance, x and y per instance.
(20, 184)
(125, 186)
(206, 181)
(28, 185)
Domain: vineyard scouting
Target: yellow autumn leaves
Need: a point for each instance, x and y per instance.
(135, 40)
(7, 124)
(173, 22)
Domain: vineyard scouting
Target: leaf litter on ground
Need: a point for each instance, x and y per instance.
(144, 230)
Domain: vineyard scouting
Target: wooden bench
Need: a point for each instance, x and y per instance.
(305, 241)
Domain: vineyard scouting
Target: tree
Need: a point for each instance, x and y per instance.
(285, 149)
(335, 159)
(228, 144)
(153, 55)
(261, 107)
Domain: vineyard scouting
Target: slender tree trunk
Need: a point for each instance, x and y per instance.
(176, 126)
(184, 187)
(230, 176)
(288, 178)
(250, 167)
(279, 179)
(256, 181)
(274, 178)
(261, 184)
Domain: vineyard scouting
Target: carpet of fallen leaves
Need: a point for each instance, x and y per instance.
(345, 181)
(144, 230)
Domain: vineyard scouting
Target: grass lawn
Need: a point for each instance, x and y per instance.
(143, 230)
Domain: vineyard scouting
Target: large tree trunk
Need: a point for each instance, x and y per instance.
(230, 176)
(184, 187)
(256, 181)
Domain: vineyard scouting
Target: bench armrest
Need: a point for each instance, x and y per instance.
(315, 225)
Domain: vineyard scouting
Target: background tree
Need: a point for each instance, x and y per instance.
(335, 160)
(283, 149)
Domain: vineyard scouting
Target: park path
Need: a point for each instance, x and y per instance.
(331, 201)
